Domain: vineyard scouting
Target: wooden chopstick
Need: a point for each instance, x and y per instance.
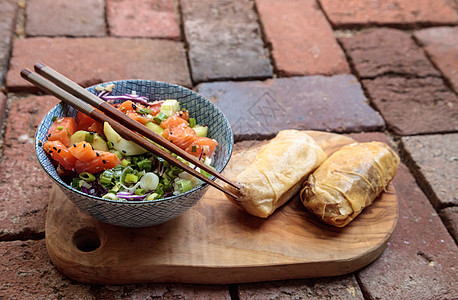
(125, 132)
(75, 89)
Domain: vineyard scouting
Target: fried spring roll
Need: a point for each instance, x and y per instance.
(277, 173)
(348, 181)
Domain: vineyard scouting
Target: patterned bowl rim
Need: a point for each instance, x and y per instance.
(141, 202)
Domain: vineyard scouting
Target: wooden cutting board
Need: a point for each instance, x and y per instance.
(214, 242)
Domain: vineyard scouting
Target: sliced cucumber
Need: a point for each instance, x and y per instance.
(154, 128)
(126, 147)
(170, 107)
(201, 131)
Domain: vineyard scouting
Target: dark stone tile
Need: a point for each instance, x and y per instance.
(260, 109)
(224, 40)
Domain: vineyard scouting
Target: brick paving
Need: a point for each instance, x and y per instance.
(385, 51)
(154, 19)
(342, 287)
(402, 13)
(433, 108)
(427, 152)
(8, 12)
(322, 56)
(24, 206)
(421, 256)
(65, 18)
(100, 60)
(262, 63)
(260, 109)
(224, 40)
(440, 44)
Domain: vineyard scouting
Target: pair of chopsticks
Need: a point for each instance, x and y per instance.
(84, 101)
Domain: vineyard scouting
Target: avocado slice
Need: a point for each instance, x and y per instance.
(127, 148)
(97, 142)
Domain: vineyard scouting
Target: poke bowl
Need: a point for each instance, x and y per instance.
(134, 210)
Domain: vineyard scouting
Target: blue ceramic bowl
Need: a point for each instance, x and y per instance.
(145, 213)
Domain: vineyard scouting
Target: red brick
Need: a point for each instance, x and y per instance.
(449, 216)
(342, 287)
(8, 11)
(27, 273)
(260, 109)
(90, 60)
(24, 187)
(407, 13)
(384, 51)
(161, 291)
(427, 152)
(420, 259)
(3, 102)
(414, 105)
(143, 18)
(301, 39)
(63, 17)
(441, 44)
(224, 40)
(370, 137)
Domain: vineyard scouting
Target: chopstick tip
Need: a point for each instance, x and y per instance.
(38, 66)
(25, 72)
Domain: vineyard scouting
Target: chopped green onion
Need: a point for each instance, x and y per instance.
(88, 177)
(106, 177)
(144, 111)
(149, 181)
(110, 196)
(145, 164)
(75, 182)
(159, 190)
(184, 185)
(125, 162)
(131, 178)
(173, 172)
(118, 153)
(159, 117)
(153, 196)
(60, 127)
(139, 192)
(192, 122)
(194, 148)
(205, 173)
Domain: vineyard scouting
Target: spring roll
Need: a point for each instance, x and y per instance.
(277, 172)
(348, 181)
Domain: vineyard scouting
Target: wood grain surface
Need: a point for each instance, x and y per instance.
(215, 242)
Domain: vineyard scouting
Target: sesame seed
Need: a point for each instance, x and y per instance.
(58, 151)
(103, 161)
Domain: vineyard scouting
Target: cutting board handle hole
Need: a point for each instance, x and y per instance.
(86, 239)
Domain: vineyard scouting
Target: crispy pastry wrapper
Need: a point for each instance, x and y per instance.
(348, 181)
(277, 173)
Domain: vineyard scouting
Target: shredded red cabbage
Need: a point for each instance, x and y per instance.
(131, 196)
